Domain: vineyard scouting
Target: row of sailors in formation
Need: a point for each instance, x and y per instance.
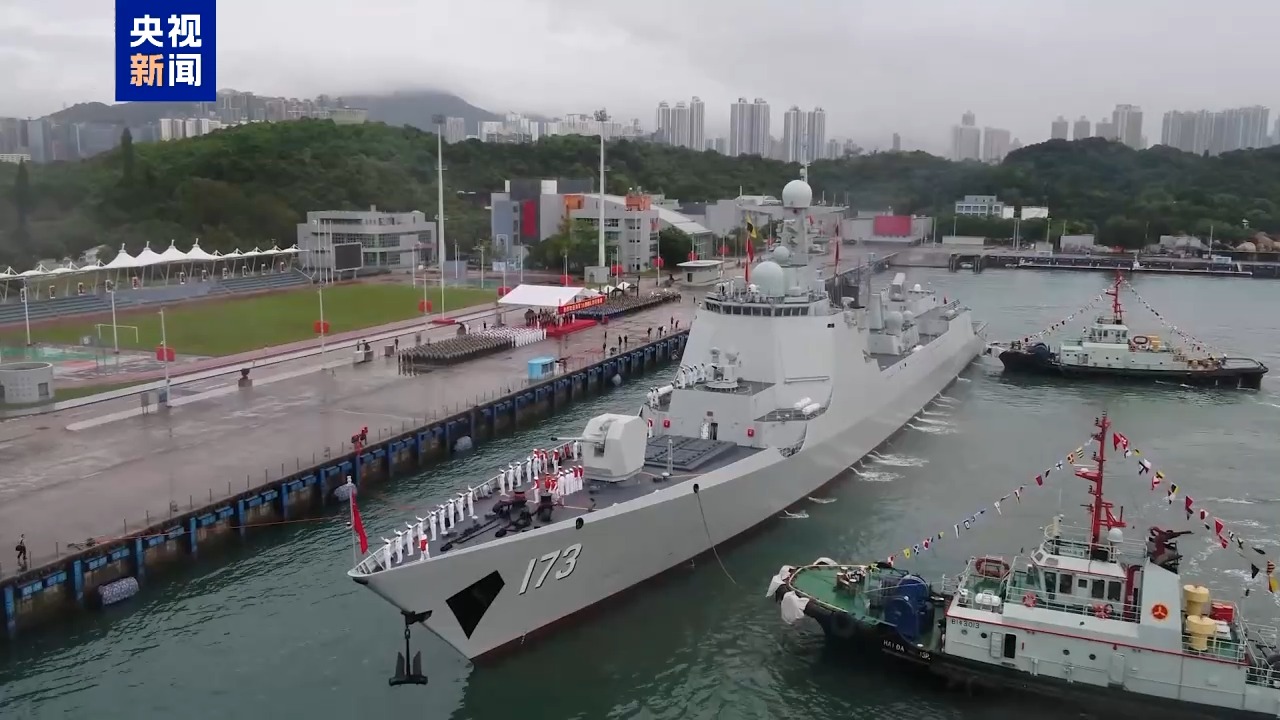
(692, 374)
(540, 472)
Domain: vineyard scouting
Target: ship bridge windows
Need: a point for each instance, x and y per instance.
(756, 310)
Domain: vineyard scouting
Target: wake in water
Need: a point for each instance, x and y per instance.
(874, 475)
(932, 429)
(904, 461)
(934, 413)
(963, 379)
(945, 401)
(802, 515)
(935, 422)
(822, 501)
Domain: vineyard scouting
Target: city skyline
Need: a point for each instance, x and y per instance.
(1091, 66)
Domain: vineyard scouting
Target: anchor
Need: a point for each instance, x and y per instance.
(414, 675)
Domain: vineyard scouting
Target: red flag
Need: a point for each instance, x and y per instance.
(1039, 479)
(1119, 441)
(1217, 526)
(358, 525)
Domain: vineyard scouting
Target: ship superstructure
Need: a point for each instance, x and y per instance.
(780, 389)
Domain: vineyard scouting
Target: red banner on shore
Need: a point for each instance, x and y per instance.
(574, 307)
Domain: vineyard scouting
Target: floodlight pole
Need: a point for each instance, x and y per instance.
(115, 329)
(26, 310)
(164, 344)
(440, 246)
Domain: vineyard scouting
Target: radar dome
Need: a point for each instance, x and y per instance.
(893, 322)
(771, 280)
(797, 194)
(782, 255)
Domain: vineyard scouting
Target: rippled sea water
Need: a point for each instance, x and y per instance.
(275, 629)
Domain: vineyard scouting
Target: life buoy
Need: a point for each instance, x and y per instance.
(1159, 611)
(843, 625)
(1140, 340)
(1029, 599)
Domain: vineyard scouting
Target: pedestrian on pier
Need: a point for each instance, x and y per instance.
(648, 333)
(21, 549)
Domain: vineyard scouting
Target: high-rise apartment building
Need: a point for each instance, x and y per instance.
(662, 123)
(897, 142)
(679, 133)
(749, 128)
(966, 139)
(455, 129)
(995, 144)
(1081, 129)
(1127, 123)
(816, 132)
(697, 124)
(1106, 129)
(1058, 129)
(793, 131)
(1214, 133)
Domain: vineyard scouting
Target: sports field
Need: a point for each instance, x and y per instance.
(235, 325)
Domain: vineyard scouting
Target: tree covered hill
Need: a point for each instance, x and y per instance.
(250, 185)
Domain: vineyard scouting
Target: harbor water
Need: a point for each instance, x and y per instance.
(275, 628)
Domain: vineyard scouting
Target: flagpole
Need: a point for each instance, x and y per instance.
(351, 513)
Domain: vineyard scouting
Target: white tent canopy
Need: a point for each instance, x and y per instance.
(198, 254)
(122, 261)
(541, 296)
(172, 254)
(147, 257)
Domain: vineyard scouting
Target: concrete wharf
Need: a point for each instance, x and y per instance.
(151, 490)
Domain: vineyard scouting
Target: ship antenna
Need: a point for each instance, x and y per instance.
(1100, 508)
(1117, 312)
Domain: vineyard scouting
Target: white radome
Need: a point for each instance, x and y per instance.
(770, 278)
(797, 194)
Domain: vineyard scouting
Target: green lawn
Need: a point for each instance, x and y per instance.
(237, 325)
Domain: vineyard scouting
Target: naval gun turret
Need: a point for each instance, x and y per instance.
(613, 446)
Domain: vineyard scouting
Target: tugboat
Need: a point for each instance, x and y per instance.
(1089, 617)
(1109, 349)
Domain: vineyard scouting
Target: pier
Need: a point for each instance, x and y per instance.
(66, 484)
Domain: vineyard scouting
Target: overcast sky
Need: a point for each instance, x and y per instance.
(876, 66)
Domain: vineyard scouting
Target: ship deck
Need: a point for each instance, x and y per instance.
(690, 458)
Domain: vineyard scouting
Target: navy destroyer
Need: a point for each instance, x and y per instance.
(782, 387)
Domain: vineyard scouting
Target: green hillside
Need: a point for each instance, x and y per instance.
(250, 185)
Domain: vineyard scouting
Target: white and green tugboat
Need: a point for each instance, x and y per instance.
(1089, 617)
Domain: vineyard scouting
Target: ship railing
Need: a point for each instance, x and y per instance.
(383, 558)
(1076, 542)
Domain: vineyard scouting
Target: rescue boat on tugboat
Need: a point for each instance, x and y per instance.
(1089, 617)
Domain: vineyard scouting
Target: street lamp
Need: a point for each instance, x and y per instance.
(602, 117)
(440, 248)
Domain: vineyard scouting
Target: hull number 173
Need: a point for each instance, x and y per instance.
(565, 561)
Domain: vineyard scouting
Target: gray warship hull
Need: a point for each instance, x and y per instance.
(485, 598)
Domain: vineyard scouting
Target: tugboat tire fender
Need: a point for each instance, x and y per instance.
(842, 625)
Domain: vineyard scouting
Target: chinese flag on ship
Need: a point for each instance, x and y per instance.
(358, 525)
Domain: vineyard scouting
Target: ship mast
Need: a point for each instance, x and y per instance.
(1117, 312)
(1100, 507)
